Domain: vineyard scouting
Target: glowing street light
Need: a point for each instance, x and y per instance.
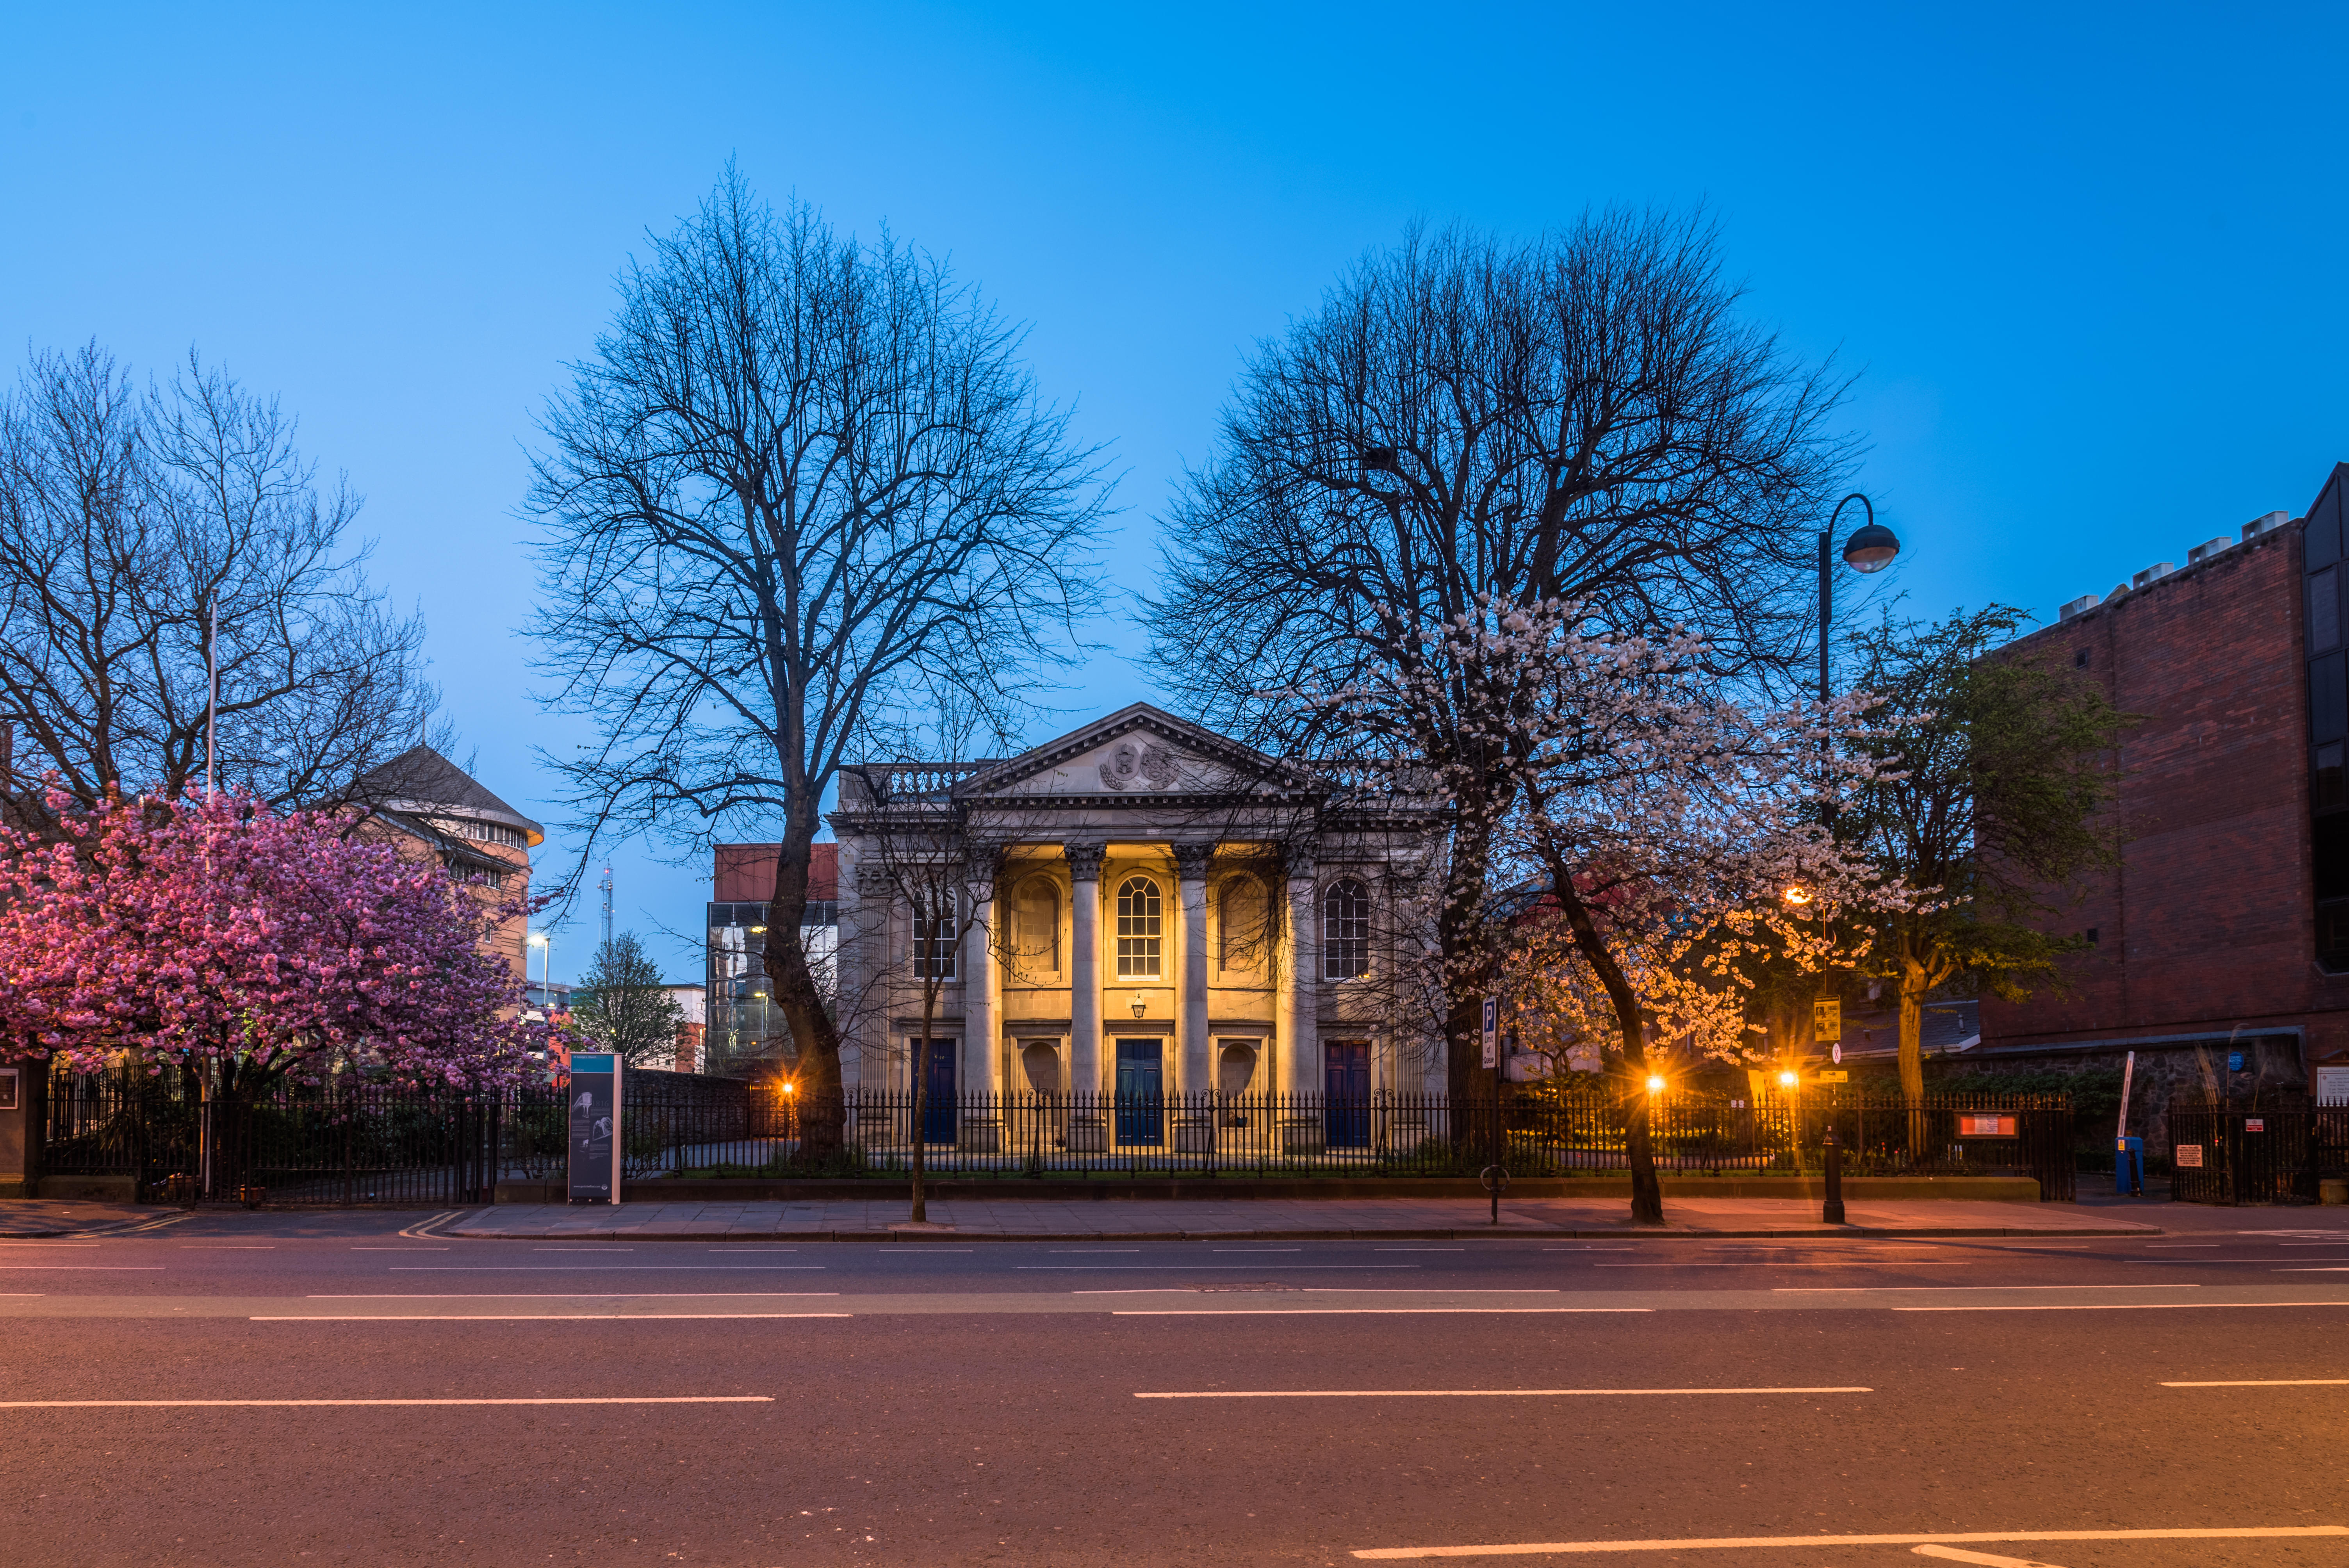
(1655, 1084)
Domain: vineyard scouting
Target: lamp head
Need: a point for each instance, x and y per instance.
(1141, 1004)
(1787, 1081)
(1870, 548)
(1655, 1084)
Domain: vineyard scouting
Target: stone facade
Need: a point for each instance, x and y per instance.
(1141, 901)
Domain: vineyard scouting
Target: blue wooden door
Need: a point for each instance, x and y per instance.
(1345, 1079)
(1141, 1104)
(939, 1092)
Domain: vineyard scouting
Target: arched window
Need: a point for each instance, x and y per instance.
(1035, 926)
(1345, 930)
(1243, 920)
(1137, 929)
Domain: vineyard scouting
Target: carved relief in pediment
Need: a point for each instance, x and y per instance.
(1138, 764)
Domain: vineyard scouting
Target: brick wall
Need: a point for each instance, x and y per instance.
(2207, 923)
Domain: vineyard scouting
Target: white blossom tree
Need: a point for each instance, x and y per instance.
(1671, 832)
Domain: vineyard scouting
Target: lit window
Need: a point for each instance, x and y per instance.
(1137, 929)
(1345, 930)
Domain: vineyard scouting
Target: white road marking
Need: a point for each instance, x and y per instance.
(594, 1295)
(1938, 1289)
(1958, 1554)
(1090, 1252)
(1419, 1249)
(1179, 1267)
(2180, 1246)
(2265, 1383)
(222, 1247)
(400, 1249)
(208, 1404)
(1257, 1252)
(1478, 1393)
(1340, 1290)
(583, 1249)
(1348, 1311)
(2117, 1305)
(1536, 1549)
(513, 1318)
(1803, 1264)
(2318, 1270)
(591, 1268)
(753, 1249)
(87, 1268)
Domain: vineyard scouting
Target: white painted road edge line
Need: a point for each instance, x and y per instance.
(525, 1316)
(1342, 1311)
(2265, 1383)
(1535, 1549)
(2116, 1306)
(210, 1403)
(1477, 1393)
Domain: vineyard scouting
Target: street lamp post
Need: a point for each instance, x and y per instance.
(1870, 548)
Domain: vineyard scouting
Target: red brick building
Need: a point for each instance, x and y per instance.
(2219, 945)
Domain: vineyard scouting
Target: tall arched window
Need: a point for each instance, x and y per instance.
(1137, 929)
(1244, 921)
(1036, 933)
(1345, 930)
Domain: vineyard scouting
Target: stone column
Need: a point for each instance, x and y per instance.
(1191, 874)
(979, 991)
(1300, 997)
(1085, 1130)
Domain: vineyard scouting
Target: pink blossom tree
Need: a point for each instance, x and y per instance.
(1670, 833)
(220, 937)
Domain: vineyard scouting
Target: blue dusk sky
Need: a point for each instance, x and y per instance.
(2087, 262)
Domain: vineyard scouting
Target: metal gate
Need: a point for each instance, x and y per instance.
(2222, 1153)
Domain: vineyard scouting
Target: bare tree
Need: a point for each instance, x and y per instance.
(803, 479)
(1467, 425)
(139, 531)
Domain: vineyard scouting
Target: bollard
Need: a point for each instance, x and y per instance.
(1496, 1182)
(1832, 1211)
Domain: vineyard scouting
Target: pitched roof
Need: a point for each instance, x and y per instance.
(420, 782)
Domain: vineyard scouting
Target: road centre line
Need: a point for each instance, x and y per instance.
(513, 1318)
(583, 1249)
(224, 1247)
(2116, 1306)
(1348, 1311)
(1477, 1393)
(1093, 1252)
(1802, 1263)
(1256, 1252)
(595, 1295)
(1419, 1249)
(209, 1403)
(1938, 1289)
(1748, 1542)
(588, 1268)
(87, 1268)
(1195, 1268)
(400, 1249)
(2264, 1383)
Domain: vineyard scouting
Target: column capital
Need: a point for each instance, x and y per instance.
(1085, 859)
(1191, 861)
(1297, 858)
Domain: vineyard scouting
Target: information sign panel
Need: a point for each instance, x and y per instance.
(1826, 1019)
(1491, 1032)
(2190, 1156)
(594, 1135)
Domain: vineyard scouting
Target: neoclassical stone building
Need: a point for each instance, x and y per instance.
(1146, 908)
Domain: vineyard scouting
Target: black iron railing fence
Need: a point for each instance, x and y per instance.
(2235, 1153)
(346, 1143)
(1396, 1134)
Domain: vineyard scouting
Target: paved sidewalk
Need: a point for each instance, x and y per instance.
(967, 1218)
(26, 1219)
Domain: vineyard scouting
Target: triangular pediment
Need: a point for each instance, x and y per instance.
(1138, 752)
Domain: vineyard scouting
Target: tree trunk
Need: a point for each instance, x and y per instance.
(822, 1106)
(920, 1130)
(1914, 984)
(1467, 971)
(1646, 1191)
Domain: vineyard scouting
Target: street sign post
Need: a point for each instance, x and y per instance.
(593, 1099)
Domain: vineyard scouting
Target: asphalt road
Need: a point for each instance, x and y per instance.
(417, 1398)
